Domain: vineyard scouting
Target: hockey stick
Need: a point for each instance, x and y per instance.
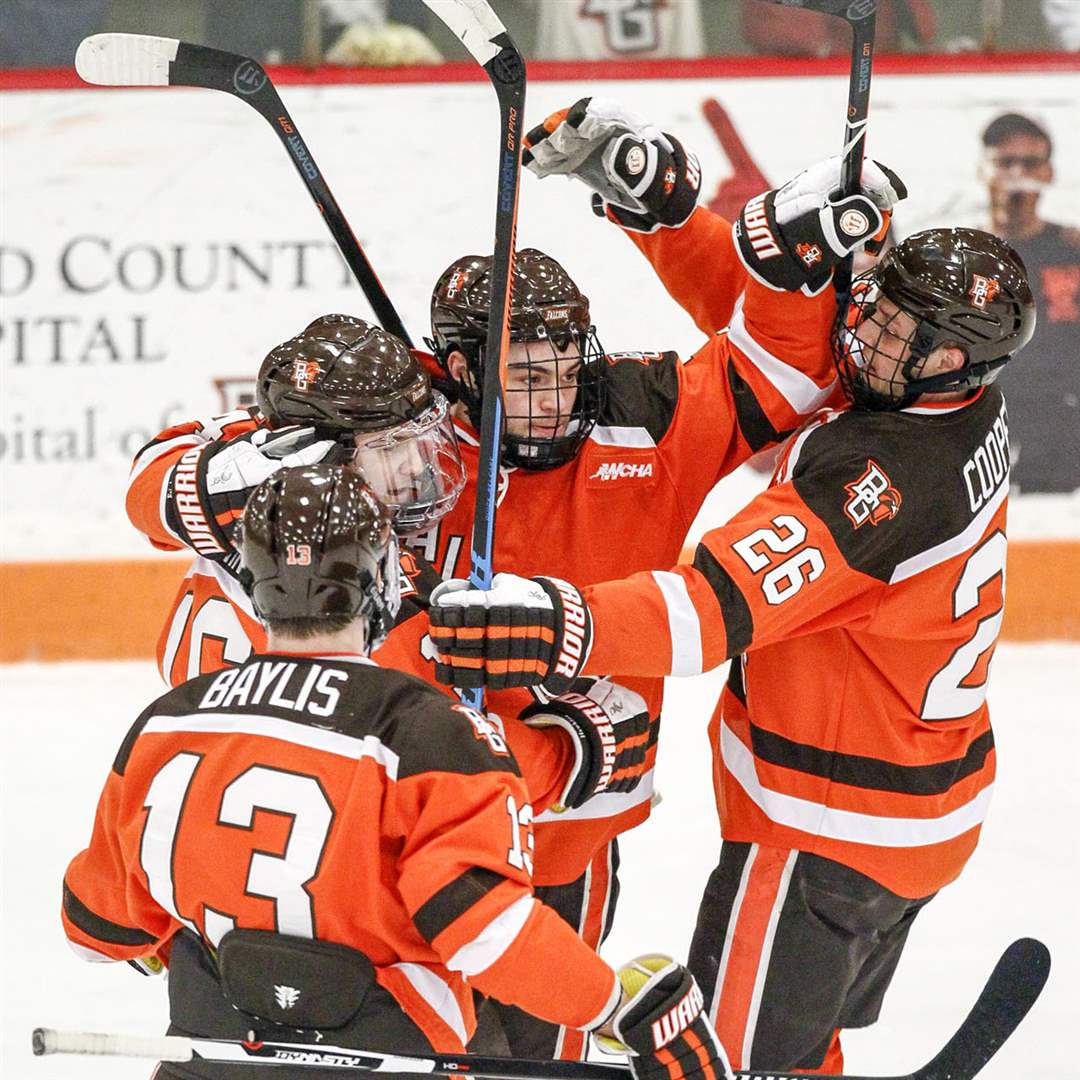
(144, 60)
(480, 31)
(1014, 984)
(861, 16)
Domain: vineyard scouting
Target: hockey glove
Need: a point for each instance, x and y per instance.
(520, 632)
(662, 1025)
(210, 484)
(793, 237)
(610, 729)
(643, 177)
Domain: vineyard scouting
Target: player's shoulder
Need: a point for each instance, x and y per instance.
(641, 390)
(418, 727)
(890, 486)
(431, 732)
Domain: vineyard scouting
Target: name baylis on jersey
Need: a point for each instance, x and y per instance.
(275, 682)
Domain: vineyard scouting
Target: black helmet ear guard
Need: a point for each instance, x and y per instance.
(963, 288)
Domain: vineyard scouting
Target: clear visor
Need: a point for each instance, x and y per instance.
(414, 468)
(391, 572)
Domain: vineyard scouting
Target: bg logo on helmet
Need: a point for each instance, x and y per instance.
(873, 498)
(304, 373)
(983, 290)
(453, 285)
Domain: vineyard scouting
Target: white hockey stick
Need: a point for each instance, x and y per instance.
(1013, 986)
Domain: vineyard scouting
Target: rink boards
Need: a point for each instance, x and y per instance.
(157, 243)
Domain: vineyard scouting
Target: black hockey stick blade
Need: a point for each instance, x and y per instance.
(1013, 987)
(480, 31)
(146, 60)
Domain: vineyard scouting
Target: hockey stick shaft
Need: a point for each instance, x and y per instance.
(481, 32)
(1013, 987)
(858, 113)
(144, 60)
(861, 16)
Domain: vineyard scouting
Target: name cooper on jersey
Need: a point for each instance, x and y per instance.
(269, 681)
(988, 467)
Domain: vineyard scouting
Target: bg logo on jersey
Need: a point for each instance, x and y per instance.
(872, 497)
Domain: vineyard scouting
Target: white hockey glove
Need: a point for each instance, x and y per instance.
(209, 486)
(520, 632)
(609, 726)
(643, 177)
(662, 1024)
(793, 237)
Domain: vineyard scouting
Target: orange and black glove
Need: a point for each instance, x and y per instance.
(520, 632)
(662, 1024)
(609, 727)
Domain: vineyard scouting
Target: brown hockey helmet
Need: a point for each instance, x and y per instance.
(962, 287)
(317, 545)
(546, 305)
(342, 375)
(359, 385)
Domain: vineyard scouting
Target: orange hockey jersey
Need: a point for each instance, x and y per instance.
(671, 430)
(326, 797)
(861, 598)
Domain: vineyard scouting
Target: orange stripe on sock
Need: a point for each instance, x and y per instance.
(591, 930)
(745, 957)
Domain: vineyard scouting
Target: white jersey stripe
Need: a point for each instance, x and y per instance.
(955, 545)
(437, 993)
(766, 955)
(150, 454)
(729, 937)
(683, 623)
(92, 956)
(798, 390)
(817, 819)
(791, 456)
(272, 727)
(637, 437)
(499, 934)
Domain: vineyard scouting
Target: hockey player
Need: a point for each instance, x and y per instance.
(341, 387)
(590, 437)
(320, 847)
(350, 392)
(859, 599)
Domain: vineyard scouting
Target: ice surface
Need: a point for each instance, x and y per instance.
(62, 725)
